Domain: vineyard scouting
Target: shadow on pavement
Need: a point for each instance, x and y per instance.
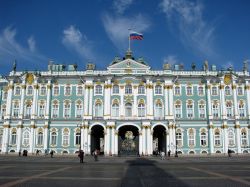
(144, 172)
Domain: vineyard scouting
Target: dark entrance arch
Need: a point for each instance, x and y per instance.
(159, 139)
(128, 140)
(97, 138)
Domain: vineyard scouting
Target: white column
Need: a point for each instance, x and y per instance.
(170, 142)
(174, 136)
(85, 137)
(166, 105)
(167, 142)
(32, 138)
(238, 134)
(48, 104)
(235, 102)
(5, 144)
(225, 134)
(171, 101)
(34, 102)
(140, 143)
(91, 101)
(222, 101)
(134, 111)
(89, 142)
(86, 101)
(9, 100)
(211, 138)
(113, 140)
(82, 139)
(143, 140)
(107, 103)
(208, 90)
(22, 101)
(150, 141)
(116, 142)
(122, 112)
(19, 136)
(149, 95)
(248, 100)
(107, 141)
(45, 145)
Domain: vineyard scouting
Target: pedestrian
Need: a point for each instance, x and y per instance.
(51, 153)
(45, 152)
(229, 152)
(169, 152)
(37, 152)
(95, 155)
(162, 155)
(19, 153)
(81, 156)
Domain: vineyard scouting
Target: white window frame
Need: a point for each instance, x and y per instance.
(115, 89)
(199, 91)
(177, 90)
(115, 110)
(53, 138)
(98, 89)
(54, 93)
(66, 110)
(158, 90)
(189, 110)
(189, 92)
(43, 90)
(17, 91)
(67, 90)
(191, 139)
(214, 90)
(141, 90)
(203, 138)
(30, 89)
(79, 110)
(79, 90)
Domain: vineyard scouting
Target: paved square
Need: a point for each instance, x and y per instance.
(130, 171)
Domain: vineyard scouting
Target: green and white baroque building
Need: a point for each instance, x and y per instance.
(126, 109)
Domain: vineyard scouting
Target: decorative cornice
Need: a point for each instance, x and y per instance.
(23, 86)
(224, 126)
(32, 126)
(210, 126)
(149, 86)
(36, 86)
(106, 86)
(6, 126)
(237, 126)
(221, 87)
(19, 126)
(46, 126)
(247, 87)
(233, 86)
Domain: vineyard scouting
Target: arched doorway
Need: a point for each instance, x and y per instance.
(128, 140)
(159, 139)
(97, 138)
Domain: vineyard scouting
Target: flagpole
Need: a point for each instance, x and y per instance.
(129, 40)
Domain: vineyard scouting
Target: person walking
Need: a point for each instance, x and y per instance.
(51, 153)
(96, 155)
(162, 155)
(169, 153)
(37, 152)
(81, 156)
(19, 153)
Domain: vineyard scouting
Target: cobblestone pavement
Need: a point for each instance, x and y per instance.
(43, 171)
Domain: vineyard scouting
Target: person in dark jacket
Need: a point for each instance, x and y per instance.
(81, 156)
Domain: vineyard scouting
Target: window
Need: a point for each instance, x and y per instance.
(79, 90)
(215, 110)
(217, 140)
(177, 90)
(240, 90)
(1, 137)
(128, 89)
(214, 90)
(15, 109)
(55, 110)
(190, 112)
(67, 109)
(201, 108)
(41, 111)
(115, 110)
(141, 110)
(98, 109)
(229, 109)
(29, 90)
(191, 141)
(43, 90)
(98, 89)
(78, 138)
(231, 140)
(128, 110)
(141, 89)
(244, 138)
(242, 110)
(178, 110)
(13, 138)
(65, 137)
(28, 110)
(5, 95)
(67, 90)
(3, 112)
(158, 89)
(18, 91)
(158, 110)
(179, 138)
(26, 138)
(203, 138)
(189, 90)
(200, 90)
(115, 89)
(56, 90)
(79, 110)
(40, 138)
(53, 138)
(227, 90)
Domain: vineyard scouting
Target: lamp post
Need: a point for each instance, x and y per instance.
(176, 153)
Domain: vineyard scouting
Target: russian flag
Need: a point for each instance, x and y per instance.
(135, 36)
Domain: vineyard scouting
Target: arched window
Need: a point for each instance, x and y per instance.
(215, 109)
(201, 108)
(242, 110)
(231, 139)
(178, 112)
(217, 138)
(13, 138)
(40, 138)
(65, 137)
(227, 90)
(79, 90)
(56, 90)
(141, 89)
(244, 138)
(191, 137)
(43, 90)
(158, 109)
(41, 111)
(200, 90)
(158, 89)
(177, 90)
(79, 109)
(29, 90)
(67, 109)
(67, 90)
(141, 110)
(18, 91)
(214, 90)
(240, 90)
(98, 89)
(128, 110)
(26, 138)
(128, 89)
(203, 138)
(98, 109)
(190, 109)
(55, 109)
(78, 138)
(115, 89)
(115, 110)
(189, 90)
(53, 138)
(179, 138)
(28, 110)
(229, 109)
(15, 109)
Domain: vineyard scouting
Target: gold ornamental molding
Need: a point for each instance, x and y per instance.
(46, 126)
(135, 86)
(224, 126)
(211, 126)
(106, 86)
(6, 126)
(11, 87)
(234, 87)
(208, 86)
(32, 126)
(89, 86)
(23, 86)
(121, 87)
(29, 78)
(49, 86)
(221, 87)
(36, 86)
(247, 87)
(19, 126)
(237, 126)
(149, 86)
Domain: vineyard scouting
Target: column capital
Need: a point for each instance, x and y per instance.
(32, 126)
(211, 126)
(237, 126)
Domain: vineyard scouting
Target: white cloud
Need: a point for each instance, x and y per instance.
(121, 5)
(117, 28)
(74, 40)
(170, 59)
(11, 49)
(193, 30)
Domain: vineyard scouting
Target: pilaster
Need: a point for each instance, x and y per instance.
(19, 135)
(9, 100)
(235, 102)
(211, 138)
(238, 143)
(6, 132)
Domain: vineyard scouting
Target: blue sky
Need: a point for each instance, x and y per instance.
(175, 31)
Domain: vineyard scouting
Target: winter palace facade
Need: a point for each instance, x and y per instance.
(127, 109)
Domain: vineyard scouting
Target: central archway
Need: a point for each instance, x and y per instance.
(128, 140)
(97, 138)
(159, 139)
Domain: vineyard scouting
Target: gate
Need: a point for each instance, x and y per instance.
(129, 144)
